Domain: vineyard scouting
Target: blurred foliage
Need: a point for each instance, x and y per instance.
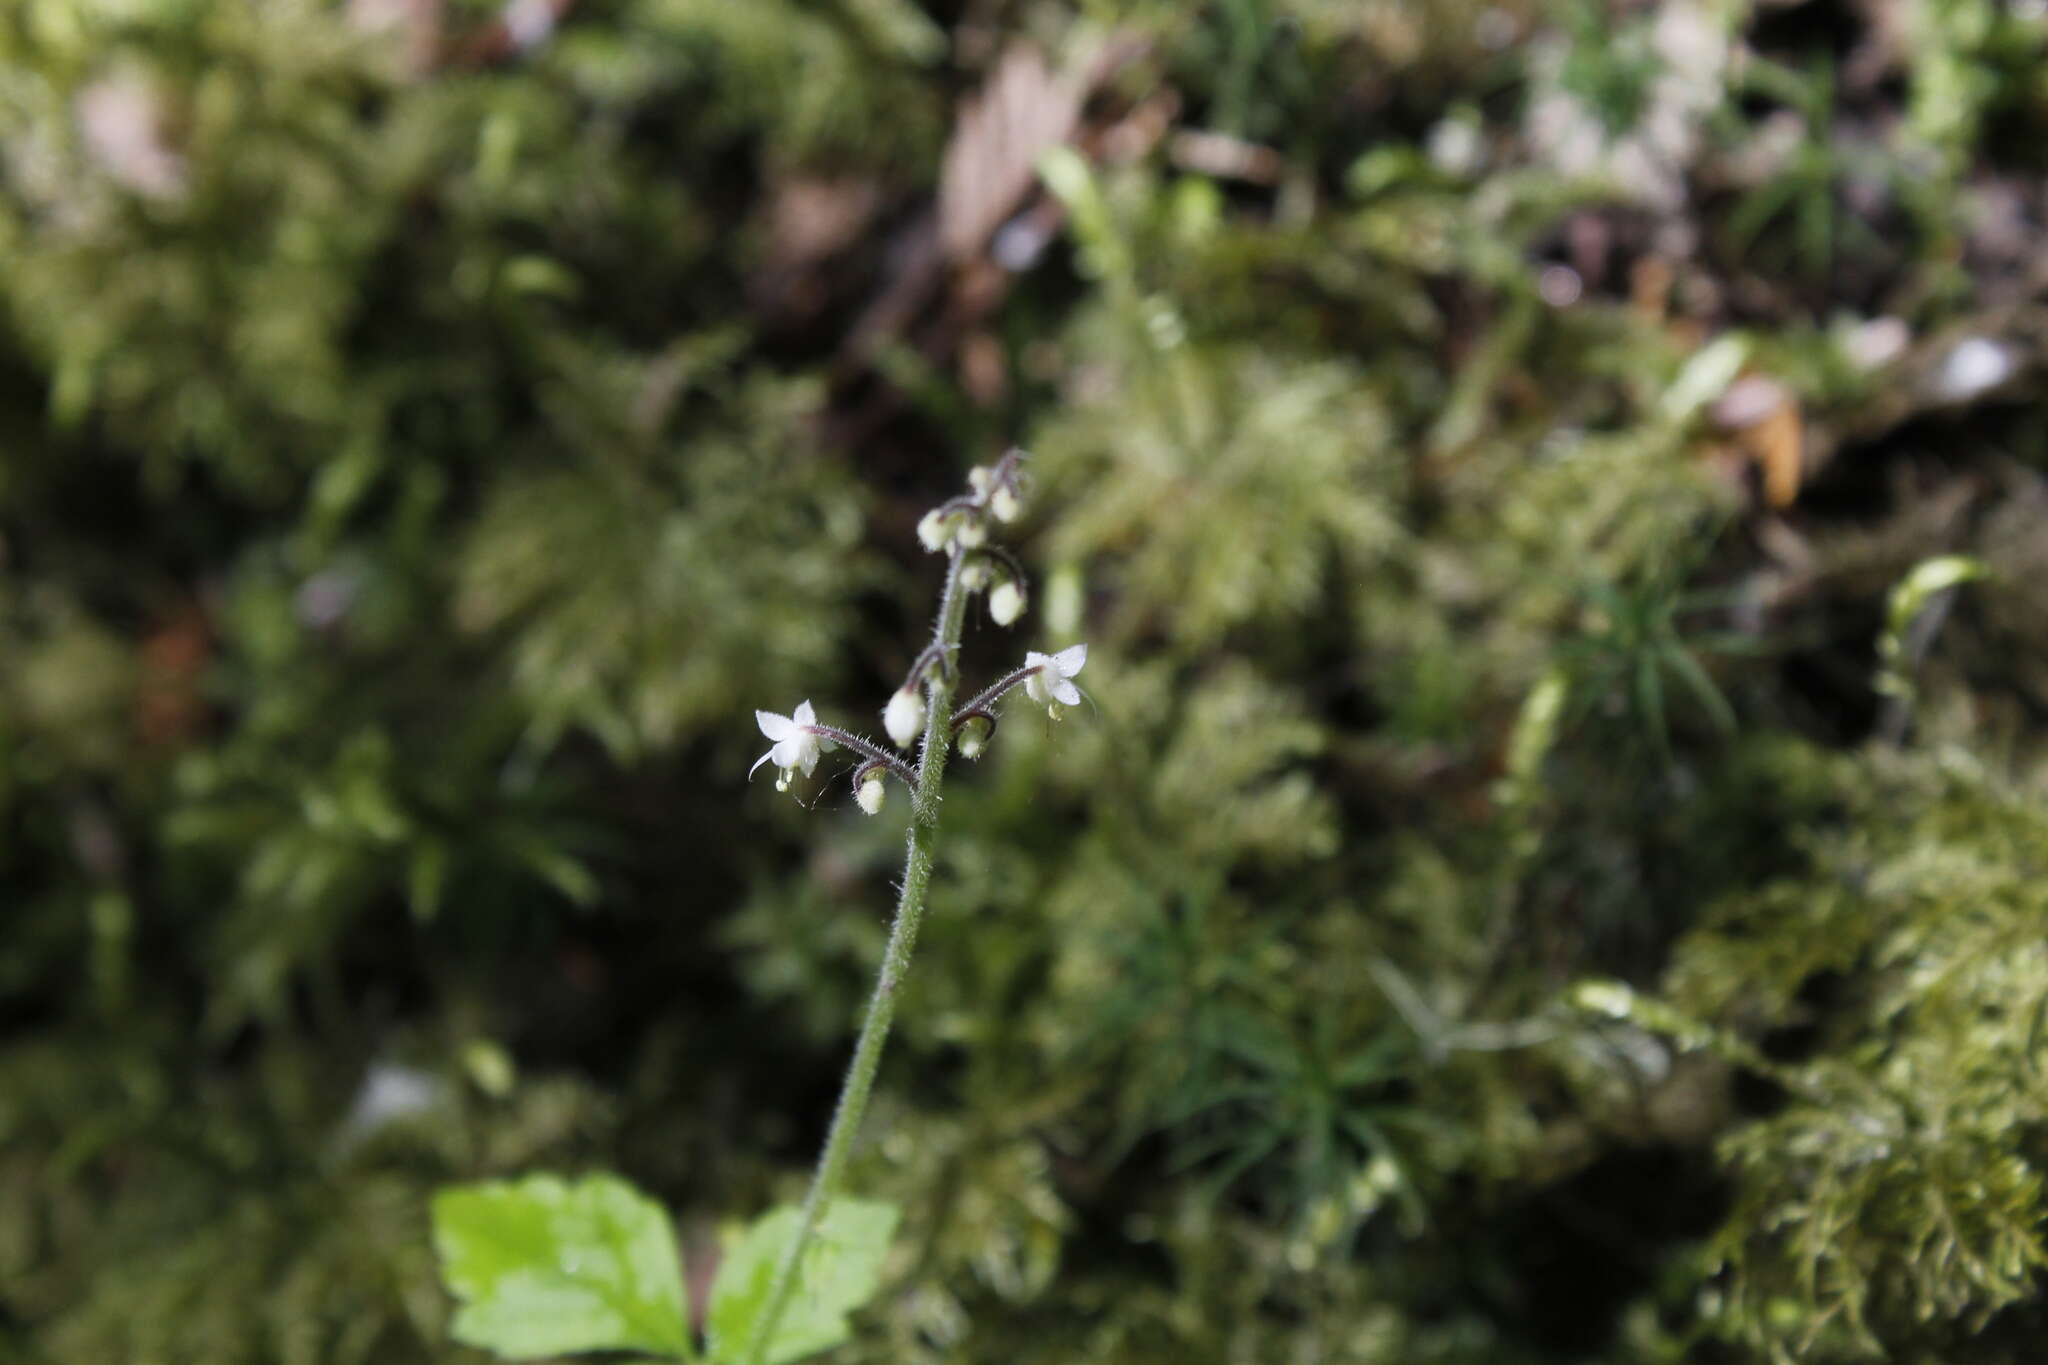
(1480, 444)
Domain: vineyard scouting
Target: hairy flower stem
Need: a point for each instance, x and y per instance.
(869, 750)
(994, 693)
(874, 1029)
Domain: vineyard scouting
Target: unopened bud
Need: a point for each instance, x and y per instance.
(978, 477)
(871, 793)
(934, 529)
(971, 532)
(974, 574)
(973, 738)
(903, 717)
(1004, 503)
(1006, 602)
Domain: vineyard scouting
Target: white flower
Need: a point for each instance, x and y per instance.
(1975, 365)
(903, 717)
(795, 744)
(1050, 683)
(871, 793)
(1006, 602)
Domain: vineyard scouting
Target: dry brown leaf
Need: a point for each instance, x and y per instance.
(1224, 157)
(1764, 415)
(1776, 445)
(991, 161)
(124, 120)
(170, 706)
(414, 25)
(813, 217)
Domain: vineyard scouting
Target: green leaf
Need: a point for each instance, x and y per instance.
(543, 1266)
(1911, 596)
(1704, 376)
(841, 1269)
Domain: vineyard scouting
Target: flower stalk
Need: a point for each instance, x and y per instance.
(993, 693)
(959, 528)
(881, 1012)
(869, 750)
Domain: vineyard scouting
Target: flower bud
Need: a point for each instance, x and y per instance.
(1006, 602)
(1004, 503)
(871, 792)
(971, 532)
(903, 717)
(973, 737)
(934, 528)
(975, 574)
(978, 477)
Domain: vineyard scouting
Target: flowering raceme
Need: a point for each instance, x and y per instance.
(959, 528)
(923, 703)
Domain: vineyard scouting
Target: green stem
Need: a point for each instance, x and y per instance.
(874, 1029)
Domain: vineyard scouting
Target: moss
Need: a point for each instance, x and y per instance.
(420, 457)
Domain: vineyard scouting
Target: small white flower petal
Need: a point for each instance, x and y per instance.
(1070, 660)
(870, 795)
(1033, 659)
(757, 764)
(774, 726)
(1066, 692)
(903, 717)
(1006, 603)
(806, 716)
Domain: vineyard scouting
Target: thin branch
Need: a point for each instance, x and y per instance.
(867, 749)
(994, 694)
(931, 654)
